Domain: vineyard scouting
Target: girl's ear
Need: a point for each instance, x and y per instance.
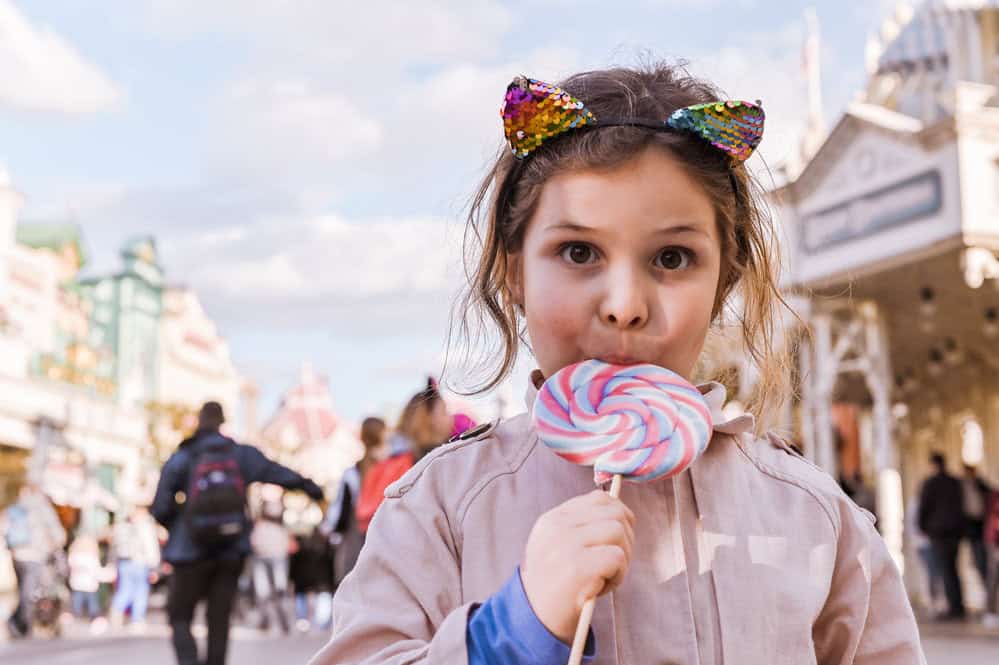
(514, 278)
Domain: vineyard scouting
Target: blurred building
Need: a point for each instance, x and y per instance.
(194, 362)
(306, 433)
(60, 424)
(124, 311)
(892, 225)
(88, 363)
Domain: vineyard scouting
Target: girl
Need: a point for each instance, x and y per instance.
(618, 231)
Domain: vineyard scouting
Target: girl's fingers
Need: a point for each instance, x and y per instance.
(599, 511)
(606, 532)
(603, 568)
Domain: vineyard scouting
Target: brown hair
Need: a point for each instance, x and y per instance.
(415, 421)
(372, 433)
(372, 436)
(512, 189)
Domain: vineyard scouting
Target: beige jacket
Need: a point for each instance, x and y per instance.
(752, 556)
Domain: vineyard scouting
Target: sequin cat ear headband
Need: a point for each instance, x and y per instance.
(535, 112)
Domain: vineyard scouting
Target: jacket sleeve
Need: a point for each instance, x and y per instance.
(259, 468)
(164, 507)
(402, 603)
(867, 619)
(504, 630)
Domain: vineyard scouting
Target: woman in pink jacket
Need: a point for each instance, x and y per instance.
(614, 231)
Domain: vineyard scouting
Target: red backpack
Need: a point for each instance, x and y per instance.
(378, 477)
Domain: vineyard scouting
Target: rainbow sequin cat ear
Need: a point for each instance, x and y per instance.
(535, 112)
(734, 127)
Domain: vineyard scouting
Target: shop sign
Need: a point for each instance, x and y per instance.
(870, 213)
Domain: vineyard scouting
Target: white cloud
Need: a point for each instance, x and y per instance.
(293, 123)
(338, 32)
(41, 71)
(323, 270)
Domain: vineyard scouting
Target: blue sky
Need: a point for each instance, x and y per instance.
(306, 169)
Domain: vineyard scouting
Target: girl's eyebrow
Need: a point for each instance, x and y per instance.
(570, 226)
(683, 228)
(692, 227)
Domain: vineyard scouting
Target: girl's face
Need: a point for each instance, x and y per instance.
(621, 265)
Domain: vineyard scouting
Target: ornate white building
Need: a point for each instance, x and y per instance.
(194, 360)
(893, 232)
(306, 433)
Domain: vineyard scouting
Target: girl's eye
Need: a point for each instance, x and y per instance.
(674, 258)
(578, 253)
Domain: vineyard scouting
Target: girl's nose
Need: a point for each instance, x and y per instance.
(624, 306)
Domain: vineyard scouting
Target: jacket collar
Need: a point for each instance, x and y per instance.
(714, 394)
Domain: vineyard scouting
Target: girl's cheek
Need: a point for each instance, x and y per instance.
(555, 309)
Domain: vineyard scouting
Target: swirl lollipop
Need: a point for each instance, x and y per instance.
(639, 422)
(642, 422)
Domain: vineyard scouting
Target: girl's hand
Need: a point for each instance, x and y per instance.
(576, 551)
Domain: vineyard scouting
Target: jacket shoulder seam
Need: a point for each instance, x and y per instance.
(399, 488)
(776, 474)
(511, 468)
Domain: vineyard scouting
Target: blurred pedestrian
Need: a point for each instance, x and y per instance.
(924, 550)
(976, 499)
(311, 573)
(862, 494)
(34, 535)
(270, 539)
(991, 537)
(201, 500)
(85, 573)
(424, 424)
(340, 523)
(941, 518)
(137, 551)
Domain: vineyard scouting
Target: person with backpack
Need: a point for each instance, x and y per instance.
(424, 424)
(340, 524)
(201, 500)
(33, 534)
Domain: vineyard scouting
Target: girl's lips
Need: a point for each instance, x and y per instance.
(619, 360)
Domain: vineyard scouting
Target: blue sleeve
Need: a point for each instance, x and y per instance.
(259, 468)
(505, 631)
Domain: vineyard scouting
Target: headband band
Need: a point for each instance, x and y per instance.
(535, 112)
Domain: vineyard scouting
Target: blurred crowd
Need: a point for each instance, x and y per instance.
(276, 573)
(950, 511)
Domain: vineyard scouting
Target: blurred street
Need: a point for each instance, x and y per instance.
(251, 646)
(246, 646)
(943, 651)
